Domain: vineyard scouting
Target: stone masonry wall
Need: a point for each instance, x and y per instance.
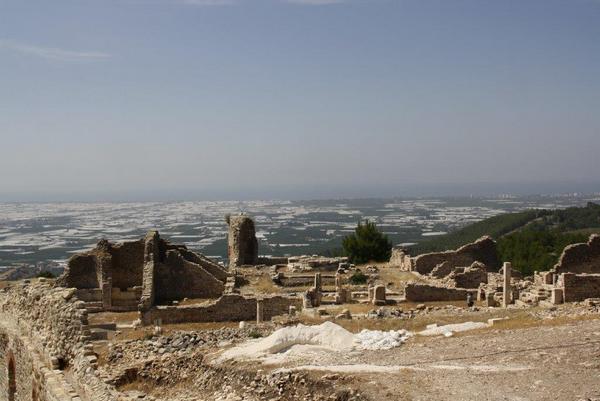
(45, 330)
(580, 258)
(483, 250)
(428, 293)
(577, 287)
(231, 307)
(242, 243)
(177, 279)
(401, 259)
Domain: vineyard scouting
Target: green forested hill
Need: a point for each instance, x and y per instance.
(531, 240)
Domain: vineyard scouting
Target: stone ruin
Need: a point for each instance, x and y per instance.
(575, 277)
(242, 246)
(313, 296)
(138, 274)
(483, 250)
(448, 275)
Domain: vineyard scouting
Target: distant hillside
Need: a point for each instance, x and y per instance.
(531, 240)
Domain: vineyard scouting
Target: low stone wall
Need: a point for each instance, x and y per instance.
(577, 287)
(231, 307)
(429, 293)
(272, 260)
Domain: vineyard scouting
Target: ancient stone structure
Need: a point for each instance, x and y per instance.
(138, 274)
(483, 250)
(575, 277)
(342, 295)
(427, 293)
(44, 332)
(507, 291)
(379, 295)
(469, 277)
(260, 310)
(580, 258)
(400, 258)
(312, 297)
(228, 308)
(242, 242)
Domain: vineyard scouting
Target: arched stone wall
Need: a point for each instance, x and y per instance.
(17, 371)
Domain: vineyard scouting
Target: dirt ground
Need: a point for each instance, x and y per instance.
(557, 362)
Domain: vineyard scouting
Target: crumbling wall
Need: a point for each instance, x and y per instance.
(469, 277)
(131, 275)
(483, 250)
(580, 258)
(428, 293)
(400, 258)
(43, 331)
(577, 287)
(127, 264)
(242, 242)
(230, 307)
(213, 268)
(178, 278)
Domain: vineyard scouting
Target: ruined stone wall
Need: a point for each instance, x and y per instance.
(207, 264)
(483, 250)
(400, 258)
(44, 330)
(127, 264)
(427, 293)
(81, 272)
(231, 307)
(177, 279)
(242, 243)
(577, 287)
(580, 258)
(470, 277)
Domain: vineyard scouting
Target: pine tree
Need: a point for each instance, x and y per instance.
(367, 244)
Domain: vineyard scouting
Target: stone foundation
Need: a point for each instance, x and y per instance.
(231, 307)
(429, 293)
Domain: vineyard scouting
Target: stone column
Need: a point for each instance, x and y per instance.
(317, 284)
(260, 309)
(506, 290)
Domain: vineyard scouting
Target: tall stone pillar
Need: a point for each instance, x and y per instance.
(506, 289)
(260, 310)
(242, 245)
(151, 259)
(317, 284)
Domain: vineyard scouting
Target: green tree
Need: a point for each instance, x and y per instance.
(367, 244)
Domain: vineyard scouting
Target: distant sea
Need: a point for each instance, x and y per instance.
(52, 232)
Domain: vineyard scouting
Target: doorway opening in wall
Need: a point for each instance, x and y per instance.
(12, 379)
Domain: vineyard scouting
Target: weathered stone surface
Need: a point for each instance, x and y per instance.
(470, 277)
(577, 287)
(427, 293)
(231, 307)
(45, 330)
(242, 242)
(400, 258)
(136, 274)
(483, 250)
(580, 258)
(379, 295)
(442, 270)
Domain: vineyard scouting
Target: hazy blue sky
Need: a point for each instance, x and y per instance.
(163, 99)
